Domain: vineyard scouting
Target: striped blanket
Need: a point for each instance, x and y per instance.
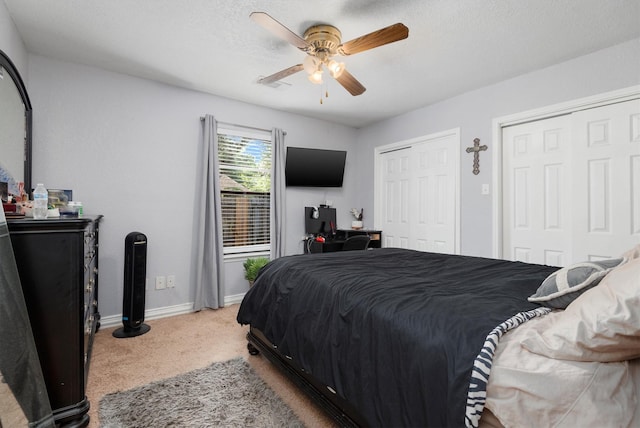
(477, 395)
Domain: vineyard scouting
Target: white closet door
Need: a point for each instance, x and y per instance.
(433, 228)
(606, 191)
(396, 177)
(419, 195)
(537, 183)
(571, 186)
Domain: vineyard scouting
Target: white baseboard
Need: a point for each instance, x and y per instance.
(167, 311)
(232, 300)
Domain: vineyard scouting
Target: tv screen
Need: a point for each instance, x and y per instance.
(314, 167)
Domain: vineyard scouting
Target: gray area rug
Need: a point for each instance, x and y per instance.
(225, 394)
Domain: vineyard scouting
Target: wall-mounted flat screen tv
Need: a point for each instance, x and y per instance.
(314, 167)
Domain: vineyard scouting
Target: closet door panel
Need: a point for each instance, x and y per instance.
(635, 196)
(397, 189)
(537, 181)
(606, 194)
(433, 173)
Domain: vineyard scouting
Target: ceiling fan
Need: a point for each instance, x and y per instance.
(321, 43)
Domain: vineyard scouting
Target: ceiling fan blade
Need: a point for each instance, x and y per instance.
(350, 83)
(279, 30)
(281, 74)
(386, 35)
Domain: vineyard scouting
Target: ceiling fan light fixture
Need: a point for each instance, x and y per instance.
(336, 68)
(316, 77)
(311, 64)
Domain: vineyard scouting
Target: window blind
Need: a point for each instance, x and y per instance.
(245, 183)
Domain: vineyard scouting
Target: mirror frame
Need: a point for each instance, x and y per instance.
(11, 69)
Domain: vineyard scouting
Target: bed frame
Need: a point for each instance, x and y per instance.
(337, 407)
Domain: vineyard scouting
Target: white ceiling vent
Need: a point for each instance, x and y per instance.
(278, 84)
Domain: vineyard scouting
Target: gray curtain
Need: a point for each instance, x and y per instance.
(209, 250)
(23, 394)
(277, 194)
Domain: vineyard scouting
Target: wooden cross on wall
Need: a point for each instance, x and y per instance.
(476, 149)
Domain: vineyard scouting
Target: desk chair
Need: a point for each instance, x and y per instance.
(356, 242)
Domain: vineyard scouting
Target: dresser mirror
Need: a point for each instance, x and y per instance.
(15, 128)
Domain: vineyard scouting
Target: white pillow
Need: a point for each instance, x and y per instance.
(633, 253)
(565, 285)
(603, 324)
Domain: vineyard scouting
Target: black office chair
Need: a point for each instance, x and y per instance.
(356, 242)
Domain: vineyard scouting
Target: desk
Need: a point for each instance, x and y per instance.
(335, 244)
(374, 235)
(329, 246)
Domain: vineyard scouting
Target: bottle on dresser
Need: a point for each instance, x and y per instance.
(40, 202)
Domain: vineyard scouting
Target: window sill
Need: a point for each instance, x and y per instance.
(247, 255)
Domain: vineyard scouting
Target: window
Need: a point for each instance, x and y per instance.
(245, 185)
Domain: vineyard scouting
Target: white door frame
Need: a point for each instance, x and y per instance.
(599, 100)
(377, 186)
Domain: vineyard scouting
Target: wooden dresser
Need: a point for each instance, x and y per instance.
(57, 261)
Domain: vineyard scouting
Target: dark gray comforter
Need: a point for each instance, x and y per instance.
(393, 331)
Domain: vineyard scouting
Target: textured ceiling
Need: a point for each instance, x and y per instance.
(212, 46)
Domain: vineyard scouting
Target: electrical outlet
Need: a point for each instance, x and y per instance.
(171, 281)
(485, 189)
(161, 282)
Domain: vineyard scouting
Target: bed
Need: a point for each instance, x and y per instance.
(394, 337)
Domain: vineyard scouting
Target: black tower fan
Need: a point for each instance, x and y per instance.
(135, 274)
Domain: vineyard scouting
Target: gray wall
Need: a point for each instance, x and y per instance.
(128, 148)
(610, 69)
(11, 43)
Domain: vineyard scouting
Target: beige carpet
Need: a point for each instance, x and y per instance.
(177, 345)
(11, 414)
